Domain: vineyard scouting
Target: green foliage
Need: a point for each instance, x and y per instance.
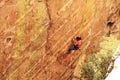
(109, 44)
(98, 63)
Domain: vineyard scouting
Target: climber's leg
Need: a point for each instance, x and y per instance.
(72, 48)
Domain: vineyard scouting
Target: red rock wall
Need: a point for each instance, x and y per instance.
(23, 34)
(36, 34)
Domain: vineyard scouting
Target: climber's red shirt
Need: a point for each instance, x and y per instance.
(78, 43)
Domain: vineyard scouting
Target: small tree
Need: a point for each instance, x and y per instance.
(98, 63)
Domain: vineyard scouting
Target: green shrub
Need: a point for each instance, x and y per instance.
(96, 67)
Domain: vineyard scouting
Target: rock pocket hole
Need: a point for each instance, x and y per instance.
(110, 24)
(8, 39)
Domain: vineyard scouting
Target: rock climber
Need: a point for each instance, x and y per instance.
(77, 44)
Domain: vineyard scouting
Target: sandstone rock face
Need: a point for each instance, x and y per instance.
(36, 34)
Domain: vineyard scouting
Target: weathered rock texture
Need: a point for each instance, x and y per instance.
(36, 34)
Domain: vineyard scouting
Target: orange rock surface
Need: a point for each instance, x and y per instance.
(36, 34)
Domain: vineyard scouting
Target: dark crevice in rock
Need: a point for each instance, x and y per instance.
(119, 13)
(39, 0)
(110, 24)
(48, 48)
